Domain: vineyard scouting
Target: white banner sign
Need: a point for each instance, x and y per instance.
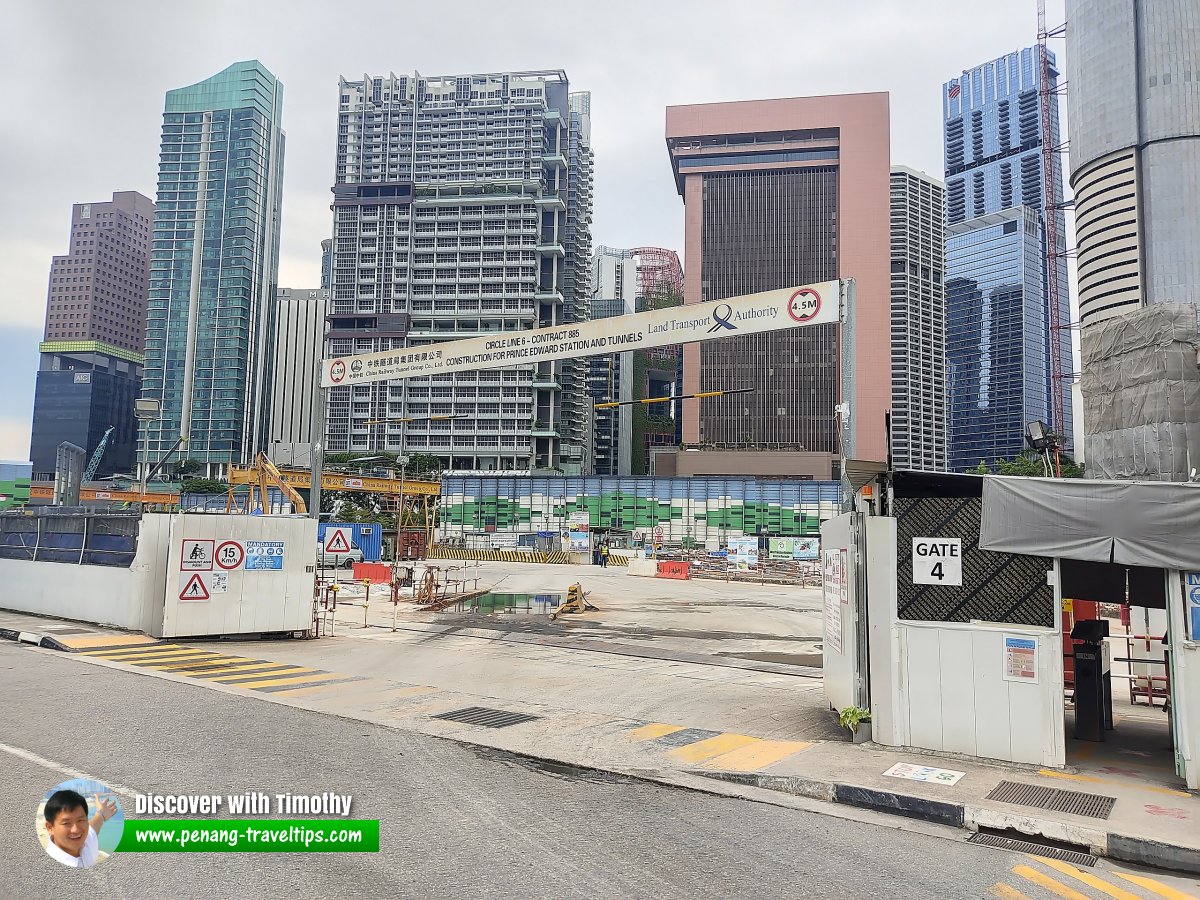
(814, 304)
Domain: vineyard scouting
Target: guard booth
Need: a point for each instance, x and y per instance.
(948, 619)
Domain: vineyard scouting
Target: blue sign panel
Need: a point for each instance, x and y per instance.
(264, 554)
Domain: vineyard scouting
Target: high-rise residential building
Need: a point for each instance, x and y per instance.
(91, 352)
(576, 416)
(326, 263)
(623, 282)
(918, 322)
(209, 324)
(299, 347)
(454, 217)
(610, 376)
(994, 164)
(1134, 99)
(780, 193)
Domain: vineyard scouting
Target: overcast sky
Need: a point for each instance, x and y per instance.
(83, 87)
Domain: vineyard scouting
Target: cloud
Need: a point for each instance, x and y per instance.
(14, 438)
(86, 81)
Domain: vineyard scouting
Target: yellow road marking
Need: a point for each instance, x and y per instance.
(710, 747)
(270, 670)
(131, 651)
(191, 663)
(231, 671)
(1088, 878)
(756, 756)
(144, 651)
(1155, 887)
(1095, 779)
(171, 656)
(1042, 880)
(292, 677)
(105, 640)
(653, 730)
(1000, 889)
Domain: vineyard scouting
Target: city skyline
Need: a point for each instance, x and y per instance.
(635, 201)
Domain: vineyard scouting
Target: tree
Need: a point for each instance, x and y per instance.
(424, 464)
(186, 467)
(203, 486)
(983, 468)
(1030, 465)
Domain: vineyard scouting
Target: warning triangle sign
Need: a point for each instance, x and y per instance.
(195, 589)
(337, 542)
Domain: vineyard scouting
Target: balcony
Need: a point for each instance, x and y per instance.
(551, 201)
(546, 382)
(545, 295)
(544, 429)
(555, 249)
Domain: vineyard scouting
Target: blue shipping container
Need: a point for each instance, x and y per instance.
(369, 538)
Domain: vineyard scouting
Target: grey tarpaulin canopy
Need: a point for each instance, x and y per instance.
(1133, 523)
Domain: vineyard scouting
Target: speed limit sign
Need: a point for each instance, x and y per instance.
(230, 554)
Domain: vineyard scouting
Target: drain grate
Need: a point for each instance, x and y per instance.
(1094, 806)
(487, 718)
(1004, 843)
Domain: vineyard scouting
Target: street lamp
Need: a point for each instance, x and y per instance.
(146, 409)
(401, 458)
(1041, 439)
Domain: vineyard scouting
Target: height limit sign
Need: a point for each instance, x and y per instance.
(937, 561)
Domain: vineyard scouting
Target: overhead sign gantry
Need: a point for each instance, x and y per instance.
(812, 304)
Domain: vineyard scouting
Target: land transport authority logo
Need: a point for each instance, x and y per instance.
(804, 305)
(337, 371)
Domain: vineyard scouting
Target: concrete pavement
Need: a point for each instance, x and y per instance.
(654, 700)
(455, 820)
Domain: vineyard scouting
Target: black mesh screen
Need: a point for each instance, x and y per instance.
(997, 587)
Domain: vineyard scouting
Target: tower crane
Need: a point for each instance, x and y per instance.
(90, 472)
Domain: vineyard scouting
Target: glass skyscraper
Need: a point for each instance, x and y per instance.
(996, 360)
(995, 289)
(209, 318)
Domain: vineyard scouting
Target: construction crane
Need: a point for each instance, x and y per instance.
(261, 476)
(90, 472)
(1059, 336)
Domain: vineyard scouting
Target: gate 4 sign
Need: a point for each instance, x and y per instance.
(937, 561)
(230, 554)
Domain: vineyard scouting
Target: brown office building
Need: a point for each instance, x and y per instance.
(91, 355)
(779, 193)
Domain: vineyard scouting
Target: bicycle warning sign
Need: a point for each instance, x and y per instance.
(197, 556)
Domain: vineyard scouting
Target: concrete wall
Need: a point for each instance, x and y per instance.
(146, 596)
(253, 600)
(954, 696)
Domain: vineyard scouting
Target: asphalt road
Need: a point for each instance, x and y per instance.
(455, 822)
